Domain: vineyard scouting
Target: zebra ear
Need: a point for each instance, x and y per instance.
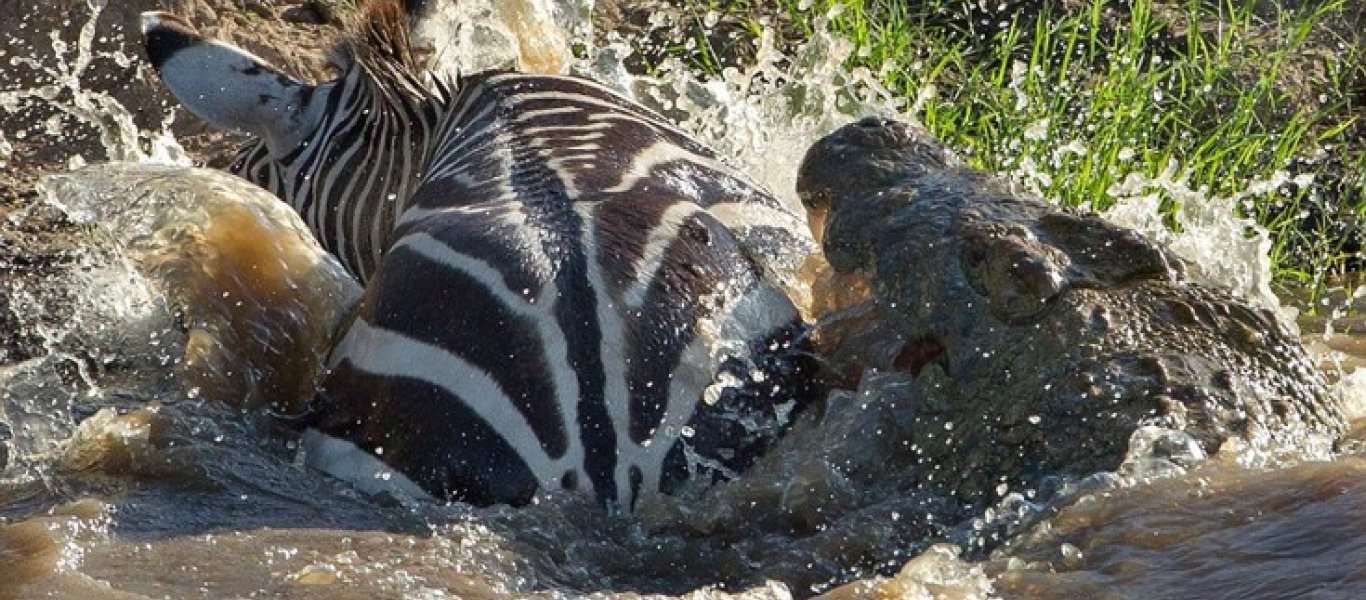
(227, 86)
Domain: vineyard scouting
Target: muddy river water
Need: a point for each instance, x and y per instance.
(173, 304)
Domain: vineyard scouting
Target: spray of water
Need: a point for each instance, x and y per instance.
(66, 92)
(763, 115)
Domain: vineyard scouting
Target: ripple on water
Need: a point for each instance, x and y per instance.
(1219, 531)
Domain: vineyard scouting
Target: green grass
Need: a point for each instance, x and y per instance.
(1130, 83)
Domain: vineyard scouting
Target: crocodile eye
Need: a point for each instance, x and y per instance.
(872, 122)
(877, 132)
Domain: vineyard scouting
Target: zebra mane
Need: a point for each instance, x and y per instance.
(378, 41)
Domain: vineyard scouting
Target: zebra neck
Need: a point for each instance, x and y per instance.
(358, 170)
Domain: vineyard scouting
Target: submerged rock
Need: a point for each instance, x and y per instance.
(1040, 340)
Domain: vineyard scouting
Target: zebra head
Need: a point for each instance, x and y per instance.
(230, 87)
(359, 138)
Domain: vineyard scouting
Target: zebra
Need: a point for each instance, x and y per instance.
(559, 282)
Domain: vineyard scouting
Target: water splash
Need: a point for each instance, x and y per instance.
(763, 115)
(1222, 249)
(67, 93)
(256, 297)
(477, 35)
(179, 285)
(939, 573)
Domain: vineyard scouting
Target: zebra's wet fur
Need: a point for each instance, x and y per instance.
(555, 276)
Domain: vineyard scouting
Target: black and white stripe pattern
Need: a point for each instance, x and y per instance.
(553, 283)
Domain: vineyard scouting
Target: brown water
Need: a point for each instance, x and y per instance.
(1221, 531)
(165, 311)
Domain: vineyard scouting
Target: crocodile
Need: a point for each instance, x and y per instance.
(1041, 339)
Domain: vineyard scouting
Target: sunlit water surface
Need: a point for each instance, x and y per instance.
(143, 463)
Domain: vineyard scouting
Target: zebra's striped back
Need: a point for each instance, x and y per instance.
(554, 284)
